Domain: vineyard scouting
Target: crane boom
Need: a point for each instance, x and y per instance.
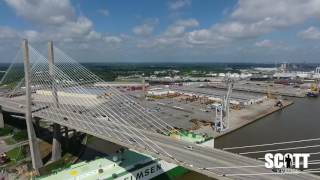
(222, 111)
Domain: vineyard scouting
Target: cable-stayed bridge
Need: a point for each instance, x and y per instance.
(62, 91)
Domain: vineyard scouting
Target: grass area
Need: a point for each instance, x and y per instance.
(6, 131)
(67, 160)
(58, 165)
(17, 136)
(20, 135)
(10, 141)
(16, 154)
(90, 139)
(10, 85)
(155, 97)
(172, 174)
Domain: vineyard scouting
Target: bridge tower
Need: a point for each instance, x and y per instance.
(56, 142)
(33, 142)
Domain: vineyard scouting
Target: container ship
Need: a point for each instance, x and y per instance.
(126, 165)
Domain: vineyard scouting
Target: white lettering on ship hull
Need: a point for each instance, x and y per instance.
(149, 171)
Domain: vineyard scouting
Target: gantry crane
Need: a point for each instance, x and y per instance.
(222, 110)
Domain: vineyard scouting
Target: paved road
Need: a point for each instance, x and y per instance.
(6, 148)
(196, 160)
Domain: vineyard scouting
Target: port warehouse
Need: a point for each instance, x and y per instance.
(93, 93)
(187, 89)
(214, 94)
(123, 85)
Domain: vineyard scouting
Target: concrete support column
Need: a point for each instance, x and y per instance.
(1, 118)
(37, 125)
(74, 132)
(33, 142)
(56, 143)
(66, 137)
(66, 130)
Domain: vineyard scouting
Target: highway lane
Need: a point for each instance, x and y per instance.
(205, 157)
(6, 148)
(197, 159)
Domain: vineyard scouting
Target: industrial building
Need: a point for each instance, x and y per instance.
(214, 94)
(123, 85)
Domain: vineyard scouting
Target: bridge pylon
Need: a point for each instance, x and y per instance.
(56, 142)
(33, 142)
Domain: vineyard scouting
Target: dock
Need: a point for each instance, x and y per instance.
(251, 114)
(264, 88)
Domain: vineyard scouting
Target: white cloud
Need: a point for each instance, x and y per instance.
(264, 43)
(56, 19)
(178, 4)
(312, 33)
(104, 12)
(199, 36)
(251, 19)
(260, 17)
(173, 35)
(180, 26)
(206, 37)
(32, 35)
(93, 35)
(280, 12)
(82, 26)
(8, 33)
(243, 26)
(112, 39)
(187, 23)
(144, 29)
(50, 12)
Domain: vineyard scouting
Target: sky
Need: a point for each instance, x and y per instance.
(258, 31)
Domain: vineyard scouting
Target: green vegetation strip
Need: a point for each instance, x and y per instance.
(9, 141)
(54, 167)
(20, 135)
(16, 154)
(172, 174)
(5, 131)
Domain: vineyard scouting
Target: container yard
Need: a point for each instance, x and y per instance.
(193, 106)
(265, 88)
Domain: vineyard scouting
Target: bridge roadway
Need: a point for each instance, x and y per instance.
(199, 159)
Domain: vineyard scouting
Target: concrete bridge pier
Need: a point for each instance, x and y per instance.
(37, 124)
(74, 132)
(56, 143)
(1, 118)
(66, 132)
(66, 137)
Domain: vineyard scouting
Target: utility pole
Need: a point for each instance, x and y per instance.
(33, 142)
(56, 142)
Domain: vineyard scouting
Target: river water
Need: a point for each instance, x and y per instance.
(296, 122)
